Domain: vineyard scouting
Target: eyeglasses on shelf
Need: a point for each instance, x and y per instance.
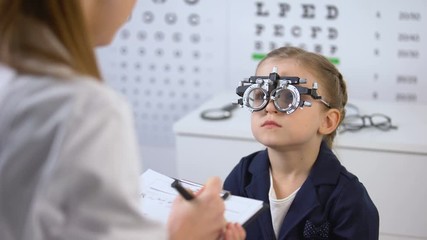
(357, 122)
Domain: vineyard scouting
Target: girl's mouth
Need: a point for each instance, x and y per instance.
(270, 123)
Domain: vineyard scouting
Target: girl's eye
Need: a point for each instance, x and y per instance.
(285, 98)
(258, 95)
(256, 98)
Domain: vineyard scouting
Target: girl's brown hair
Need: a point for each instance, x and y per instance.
(45, 30)
(331, 80)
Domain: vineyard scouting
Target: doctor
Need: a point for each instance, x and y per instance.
(69, 161)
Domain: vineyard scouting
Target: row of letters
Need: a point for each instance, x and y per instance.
(325, 49)
(306, 11)
(313, 32)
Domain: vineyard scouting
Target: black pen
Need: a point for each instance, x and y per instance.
(184, 193)
(188, 195)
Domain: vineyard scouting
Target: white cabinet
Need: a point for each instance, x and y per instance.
(390, 164)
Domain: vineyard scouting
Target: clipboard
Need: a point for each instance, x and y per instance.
(157, 195)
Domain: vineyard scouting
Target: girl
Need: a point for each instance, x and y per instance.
(69, 162)
(310, 194)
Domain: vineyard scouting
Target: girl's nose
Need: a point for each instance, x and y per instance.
(270, 108)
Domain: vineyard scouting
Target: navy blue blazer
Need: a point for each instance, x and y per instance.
(331, 203)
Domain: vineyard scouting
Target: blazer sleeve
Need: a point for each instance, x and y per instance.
(355, 215)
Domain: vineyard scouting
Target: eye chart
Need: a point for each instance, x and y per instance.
(167, 60)
(379, 46)
(171, 56)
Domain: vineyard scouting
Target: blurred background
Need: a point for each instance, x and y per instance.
(172, 56)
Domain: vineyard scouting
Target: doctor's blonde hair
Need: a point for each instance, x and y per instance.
(51, 31)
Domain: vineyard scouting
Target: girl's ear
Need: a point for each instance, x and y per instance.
(330, 121)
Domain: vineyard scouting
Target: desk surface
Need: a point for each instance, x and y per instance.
(409, 137)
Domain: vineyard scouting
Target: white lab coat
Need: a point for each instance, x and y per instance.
(69, 161)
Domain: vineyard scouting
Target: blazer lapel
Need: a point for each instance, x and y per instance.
(324, 173)
(305, 201)
(258, 188)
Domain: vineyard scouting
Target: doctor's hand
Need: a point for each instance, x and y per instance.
(201, 217)
(234, 231)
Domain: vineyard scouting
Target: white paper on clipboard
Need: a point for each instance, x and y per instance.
(157, 196)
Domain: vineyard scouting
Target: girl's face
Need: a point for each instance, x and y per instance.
(283, 131)
(105, 17)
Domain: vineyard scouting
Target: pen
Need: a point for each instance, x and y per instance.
(184, 193)
(188, 195)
